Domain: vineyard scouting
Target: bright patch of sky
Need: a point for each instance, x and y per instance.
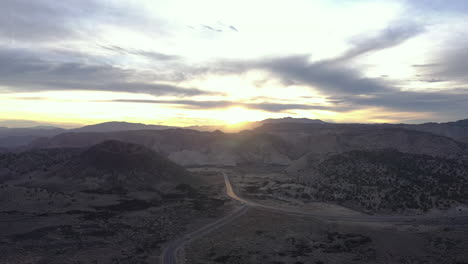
(212, 61)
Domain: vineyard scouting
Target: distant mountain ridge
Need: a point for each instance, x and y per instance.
(457, 129)
(275, 144)
(292, 120)
(15, 137)
(118, 126)
(252, 125)
(19, 137)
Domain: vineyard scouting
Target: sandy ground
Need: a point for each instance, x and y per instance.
(40, 226)
(262, 236)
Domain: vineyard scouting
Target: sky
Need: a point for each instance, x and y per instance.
(212, 62)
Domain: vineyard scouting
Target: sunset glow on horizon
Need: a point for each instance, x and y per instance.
(210, 62)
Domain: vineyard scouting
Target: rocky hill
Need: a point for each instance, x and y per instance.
(274, 144)
(388, 181)
(113, 202)
(106, 166)
(187, 147)
(457, 130)
(336, 138)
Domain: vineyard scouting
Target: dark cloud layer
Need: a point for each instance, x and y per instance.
(454, 63)
(448, 64)
(44, 19)
(158, 56)
(446, 101)
(331, 76)
(51, 20)
(392, 36)
(193, 104)
(21, 71)
(455, 6)
(346, 86)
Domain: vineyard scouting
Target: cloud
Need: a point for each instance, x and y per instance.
(451, 101)
(275, 107)
(265, 106)
(331, 76)
(432, 80)
(454, 63)
(220, 27)
(348, 87)
(21, 71)
(153, 55)
(425, 65)
(50, 20)
(211, 28)
(453, 6)
(233, 28)
(449, 63)
(324, 76)
(156, 89)
(45, 19)
(391, 36)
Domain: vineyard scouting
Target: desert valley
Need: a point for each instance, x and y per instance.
(284, 191)
(234, 132)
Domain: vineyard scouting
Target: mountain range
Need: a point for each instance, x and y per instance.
(20, 137)
(285, 144)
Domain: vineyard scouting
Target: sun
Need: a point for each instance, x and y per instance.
(235, 115)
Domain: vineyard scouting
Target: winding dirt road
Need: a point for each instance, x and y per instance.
(169, 255)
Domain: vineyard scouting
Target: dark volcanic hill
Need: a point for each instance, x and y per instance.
(121, 164)
(106, 166)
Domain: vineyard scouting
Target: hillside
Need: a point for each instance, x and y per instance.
(234, 128)
(113, 202)
(274, 144)
(389, 181)
(336, 138)
(106, 166)
(186, 147)
(457, 130)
